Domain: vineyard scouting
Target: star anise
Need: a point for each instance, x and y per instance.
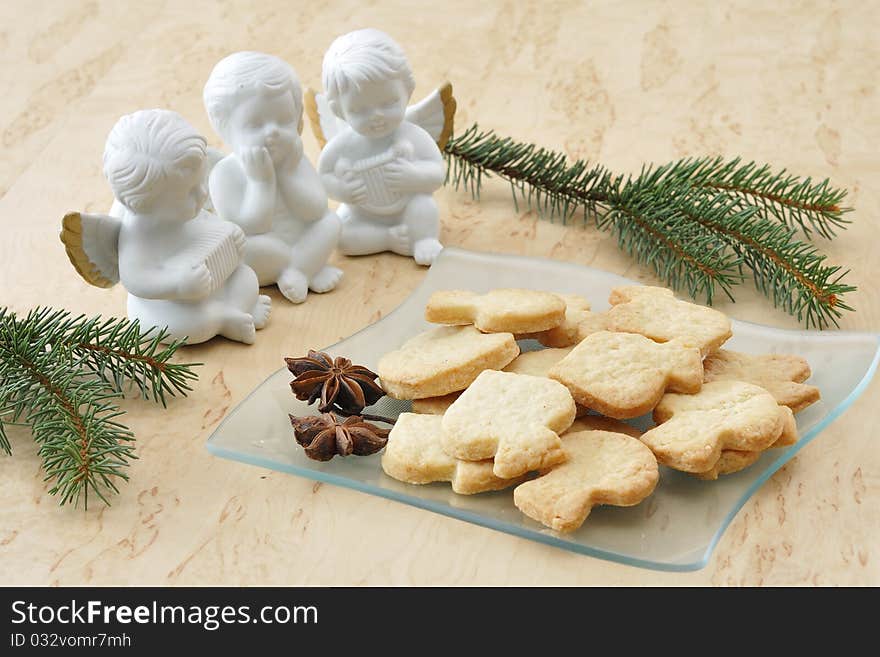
(324, 436)
(338, 383)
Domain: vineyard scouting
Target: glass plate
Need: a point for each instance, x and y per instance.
(674, 529)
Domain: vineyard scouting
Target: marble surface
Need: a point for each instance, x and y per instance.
(621, 82)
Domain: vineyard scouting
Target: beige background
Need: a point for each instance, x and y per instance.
(621, 82)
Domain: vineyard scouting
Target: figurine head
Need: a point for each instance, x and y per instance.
(368, 82)
(255, 100)
(155, 163)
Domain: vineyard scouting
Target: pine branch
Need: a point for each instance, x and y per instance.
(120, 353)
(650, 217)
(63, 376)
(82, 447)
(793, 201)
(541, 178)
(697, 222)
(793, 274)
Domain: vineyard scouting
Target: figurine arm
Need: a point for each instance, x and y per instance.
(425, 172)
(333, 184)
(303, 192)
(428, 160)
(429, 175)
(337, 188)
(160, 282)
(339, 180)
(237, 197)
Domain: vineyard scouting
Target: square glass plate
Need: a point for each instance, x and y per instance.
(674, 529)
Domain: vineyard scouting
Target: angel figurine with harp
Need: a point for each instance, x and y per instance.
(381, 159)
(182, 267)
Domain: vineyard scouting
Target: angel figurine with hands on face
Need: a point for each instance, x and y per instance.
(266, 185)
(378, 161)
(181, 266)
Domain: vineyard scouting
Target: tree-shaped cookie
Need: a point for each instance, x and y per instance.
(503, 310)
(624, 375)
(603, 467)
(655, 313)
(414, 454)
(781, 375)
(514, 418)
(693, 430)
(443, 360)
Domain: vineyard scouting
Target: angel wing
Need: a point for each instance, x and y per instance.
(435, 113)
(325, 124)
(92, 244)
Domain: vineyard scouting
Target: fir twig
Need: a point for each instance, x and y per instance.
(793, 274)
(540, 178)
(649, 215)
(121, 354)
(793, 201)
(63, 377)
(699, 223)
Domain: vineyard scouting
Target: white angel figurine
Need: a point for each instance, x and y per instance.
(266, 186)
(380, 161)
(182, 267)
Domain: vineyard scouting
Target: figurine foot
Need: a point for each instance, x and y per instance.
(426, 251)
(399, 241)
(293, 285)
(325, 280)
(240, 327)
(261, 311)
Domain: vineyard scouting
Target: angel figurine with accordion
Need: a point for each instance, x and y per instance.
(182, 267)
(381, 159)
